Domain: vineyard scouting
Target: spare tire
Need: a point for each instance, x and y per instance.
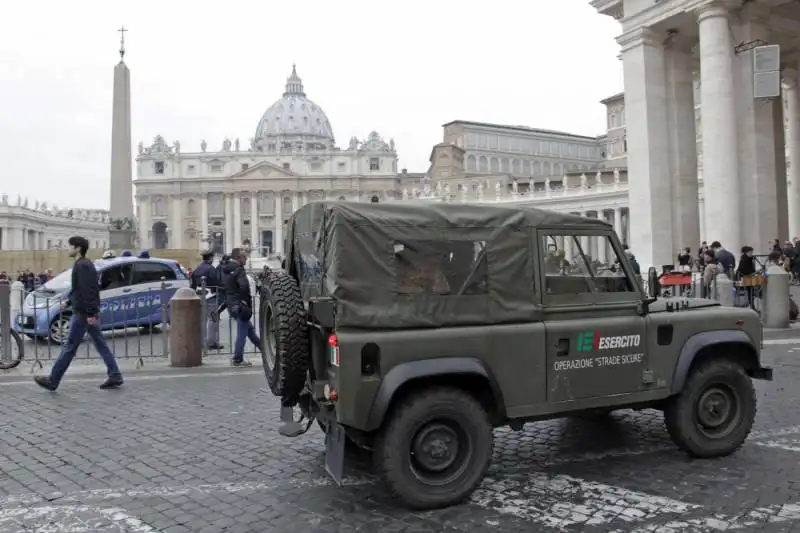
(284, 336)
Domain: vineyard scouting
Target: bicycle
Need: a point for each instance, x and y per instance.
(8, 364)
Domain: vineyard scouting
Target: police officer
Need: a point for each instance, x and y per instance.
(206, 282)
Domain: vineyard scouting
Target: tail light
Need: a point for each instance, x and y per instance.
(333, 349)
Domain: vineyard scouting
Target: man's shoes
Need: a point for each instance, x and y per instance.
(111, 383)
(216, 347)
(241, 364)
(45, 383)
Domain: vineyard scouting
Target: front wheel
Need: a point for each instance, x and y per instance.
(16, 348)
(435, 448)
(59, 329)
(714, 413)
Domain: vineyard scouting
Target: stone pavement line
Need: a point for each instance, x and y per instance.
(773, 514)
(71, 519)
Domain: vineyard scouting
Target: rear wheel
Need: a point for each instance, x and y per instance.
(714, 413)
(435, 448)
(14, 358)
(284, 336)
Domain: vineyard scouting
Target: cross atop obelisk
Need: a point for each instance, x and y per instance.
(122, 31)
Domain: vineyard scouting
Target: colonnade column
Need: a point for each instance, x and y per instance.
(204, 229)
(720, 151)
(277, 243)
(792, 90)
(254, 237)
(145, 221)
(602, 244)
(618, 224)
(237, 220)
(176, 222)
(229, 240)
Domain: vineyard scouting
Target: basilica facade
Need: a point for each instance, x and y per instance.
(241, 194)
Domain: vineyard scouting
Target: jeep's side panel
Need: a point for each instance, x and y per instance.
(504, 353)
(589, 356)
(696, 343)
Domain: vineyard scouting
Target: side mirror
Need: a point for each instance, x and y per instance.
(653, 286)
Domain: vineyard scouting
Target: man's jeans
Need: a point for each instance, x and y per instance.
(211, 321)
(244, 331)
(78, 327)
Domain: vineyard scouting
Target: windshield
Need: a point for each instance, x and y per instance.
(60, 283)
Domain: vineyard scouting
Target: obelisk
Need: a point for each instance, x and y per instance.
(121, 163)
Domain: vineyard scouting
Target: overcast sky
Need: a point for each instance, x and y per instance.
(207, 70)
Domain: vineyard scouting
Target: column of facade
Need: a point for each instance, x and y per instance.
(229, 240)
(296, 200)
(255, 238)
(602, 250)
(176, 222)
(648, 146)
(792, 92)
(682, 147)
(759, 185)
(277, 243)
(237, 220)
(205, 230)
(779, 155)
(145, 222)
(720, 147)
(618, 223)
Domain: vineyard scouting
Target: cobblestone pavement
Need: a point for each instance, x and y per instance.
(202, 454)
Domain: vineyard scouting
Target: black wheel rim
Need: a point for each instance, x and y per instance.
(718, 411)
(440, 452)
(270, 339)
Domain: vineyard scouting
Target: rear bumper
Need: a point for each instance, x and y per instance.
(764, 373)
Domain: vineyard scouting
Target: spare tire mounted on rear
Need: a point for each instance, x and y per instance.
(284, 336)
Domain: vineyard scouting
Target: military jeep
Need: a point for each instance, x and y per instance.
(412, 329)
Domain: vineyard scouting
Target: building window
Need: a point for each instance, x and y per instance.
(216, 168)
(159, 165)
(245, 166)
(374, 163)
(340, 166)
(286, 166)
(316, 165)
(190, 169)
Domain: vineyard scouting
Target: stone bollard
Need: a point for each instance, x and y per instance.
(185, 348)
(724, 287)
(17, 298)
(776, 298)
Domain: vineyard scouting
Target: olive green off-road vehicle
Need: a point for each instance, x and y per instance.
(412, 329)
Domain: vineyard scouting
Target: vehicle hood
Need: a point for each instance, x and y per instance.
(678, 303)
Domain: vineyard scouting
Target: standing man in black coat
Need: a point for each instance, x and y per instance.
(206, 283)
(240, 305)
(85, 298)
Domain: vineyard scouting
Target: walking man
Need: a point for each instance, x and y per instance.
(240, 305)
(85, 299)
(206, 283)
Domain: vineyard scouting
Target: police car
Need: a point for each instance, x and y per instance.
(132, 292)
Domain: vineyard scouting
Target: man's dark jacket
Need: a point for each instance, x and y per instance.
(237, 291)
(85, 296)
(205, 270)
(726, 260)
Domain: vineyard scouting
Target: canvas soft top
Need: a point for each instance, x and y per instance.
(419, 264)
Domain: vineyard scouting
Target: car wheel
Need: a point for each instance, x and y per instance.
(284, 336)
(59, 329)
(714, 413)
(435, 448)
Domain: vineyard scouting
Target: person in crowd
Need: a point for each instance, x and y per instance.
(3, 276)
(632, 260)
(747, 263)
(723, 258)
(712, 269)
(685, 259)
(205, 281)
(240, 305)
(85, 304)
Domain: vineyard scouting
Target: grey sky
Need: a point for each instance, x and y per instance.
(207, 70)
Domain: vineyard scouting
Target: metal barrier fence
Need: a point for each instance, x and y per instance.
(135, 324)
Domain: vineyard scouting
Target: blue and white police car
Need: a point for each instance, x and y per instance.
(132, 292)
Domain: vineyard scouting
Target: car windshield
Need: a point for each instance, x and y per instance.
(60, 283)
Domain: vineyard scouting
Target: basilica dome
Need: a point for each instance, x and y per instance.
(294, 118)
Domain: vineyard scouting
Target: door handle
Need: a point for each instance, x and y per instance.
(562, 347)
(167, 285)
(127, 290)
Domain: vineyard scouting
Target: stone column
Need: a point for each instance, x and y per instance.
(682, 148)
(296, 201)
(254, 225)
(203, 225)
(756, 141)
(648, 146)
(792, 91)
(229, 240)
(176, 222)
(701, 206)
(618, 223)
(145, 222)
(277, 243)
(720, 147)
(779, 154)
(237, 220)
(602, 242)
(568, 248)
(586, 245)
